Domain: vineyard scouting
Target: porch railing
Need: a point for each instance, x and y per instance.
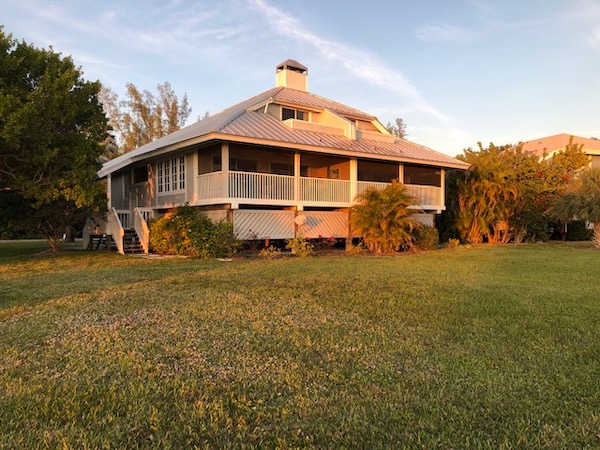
(264, 186)
(115, 229)
(426, 195)
(141, 226)
(324, 190)
(210, 185)
(362, 186)
(124, 217)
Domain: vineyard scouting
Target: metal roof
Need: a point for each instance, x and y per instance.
(240, 121)
(263, 126)
(558, 142)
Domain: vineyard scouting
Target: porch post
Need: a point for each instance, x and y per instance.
(353, 179)
(401, 173)
(225, 170)
(109, 190)
(443, 188)
(296, 178)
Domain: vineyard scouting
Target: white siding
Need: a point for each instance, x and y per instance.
(425, 219)
(325, 224)
(260, 224)
(217, 215)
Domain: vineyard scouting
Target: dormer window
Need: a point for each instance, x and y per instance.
(289, 113)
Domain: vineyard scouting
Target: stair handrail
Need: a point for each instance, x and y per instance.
(141, 228)
(115, 229)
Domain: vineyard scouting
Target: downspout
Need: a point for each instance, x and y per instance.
(267, 104)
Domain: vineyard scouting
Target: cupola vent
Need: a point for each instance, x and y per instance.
(291, 74)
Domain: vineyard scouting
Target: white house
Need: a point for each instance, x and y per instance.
(280, 163)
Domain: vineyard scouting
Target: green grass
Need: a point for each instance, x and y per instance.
(483, 347)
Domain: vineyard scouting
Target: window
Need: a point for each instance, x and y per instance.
(140, 174)
(289, 113)
(243, 165)
(216, 163)
(422, 175)
(377, 171)
(171, 175)
(282, 168)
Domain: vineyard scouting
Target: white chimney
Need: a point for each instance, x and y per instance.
(291, 74)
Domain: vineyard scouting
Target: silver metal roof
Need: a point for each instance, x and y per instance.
(239, 122)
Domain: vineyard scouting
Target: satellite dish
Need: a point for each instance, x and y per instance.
(300, 219)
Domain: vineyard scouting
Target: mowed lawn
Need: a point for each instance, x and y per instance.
(484, 347)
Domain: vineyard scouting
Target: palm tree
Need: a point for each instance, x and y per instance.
(485, 196)
(581, 201)
(383, 218)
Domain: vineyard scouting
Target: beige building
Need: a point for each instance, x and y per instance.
(281, 163)
(547, 147)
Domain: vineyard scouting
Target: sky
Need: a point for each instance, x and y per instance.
(458, 72)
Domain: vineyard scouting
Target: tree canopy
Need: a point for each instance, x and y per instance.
(505, 193)
(51, 129)
(398, 129)
(143, 117)
(581, 200)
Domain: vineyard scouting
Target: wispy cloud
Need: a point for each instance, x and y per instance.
(443, 33)
(358, 62)
(594, 38)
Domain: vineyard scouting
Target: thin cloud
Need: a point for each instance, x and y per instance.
(593, 39)
(356, 61)
(443, 33)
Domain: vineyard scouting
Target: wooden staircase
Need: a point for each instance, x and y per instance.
(131, 242)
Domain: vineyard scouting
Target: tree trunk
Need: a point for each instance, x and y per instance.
(596, 234)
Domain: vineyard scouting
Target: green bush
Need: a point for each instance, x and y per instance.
(426, 238)
(189, 232)
(452, 243)
(300, 246)
(577, 230)
(270, 252)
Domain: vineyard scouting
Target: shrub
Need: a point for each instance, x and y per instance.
(426, 238)
(300, 246)
(577, 230)
(270, 252)
(191, 233)
(383, 218)
(452, 243)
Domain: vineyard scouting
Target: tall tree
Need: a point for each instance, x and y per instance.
(398, 129)
(505, 192)
(581, 200)
(51, 129)
(143, 117)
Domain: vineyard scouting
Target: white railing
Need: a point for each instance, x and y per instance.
(210, 185)
(141, 227)
(324, 190)
(147, 213)
(261, 186)
(426, 195)
(362, 186)
(115, 229)
(264, 186)
(124, 217)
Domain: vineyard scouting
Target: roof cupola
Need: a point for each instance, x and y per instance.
(291, 74)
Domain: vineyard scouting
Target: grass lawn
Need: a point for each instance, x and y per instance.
(484, 347)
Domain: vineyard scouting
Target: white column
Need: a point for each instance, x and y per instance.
(297, 179)
(225, 169)
(353, 179)
(401, 173)
(443, 188)
(109, 190)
